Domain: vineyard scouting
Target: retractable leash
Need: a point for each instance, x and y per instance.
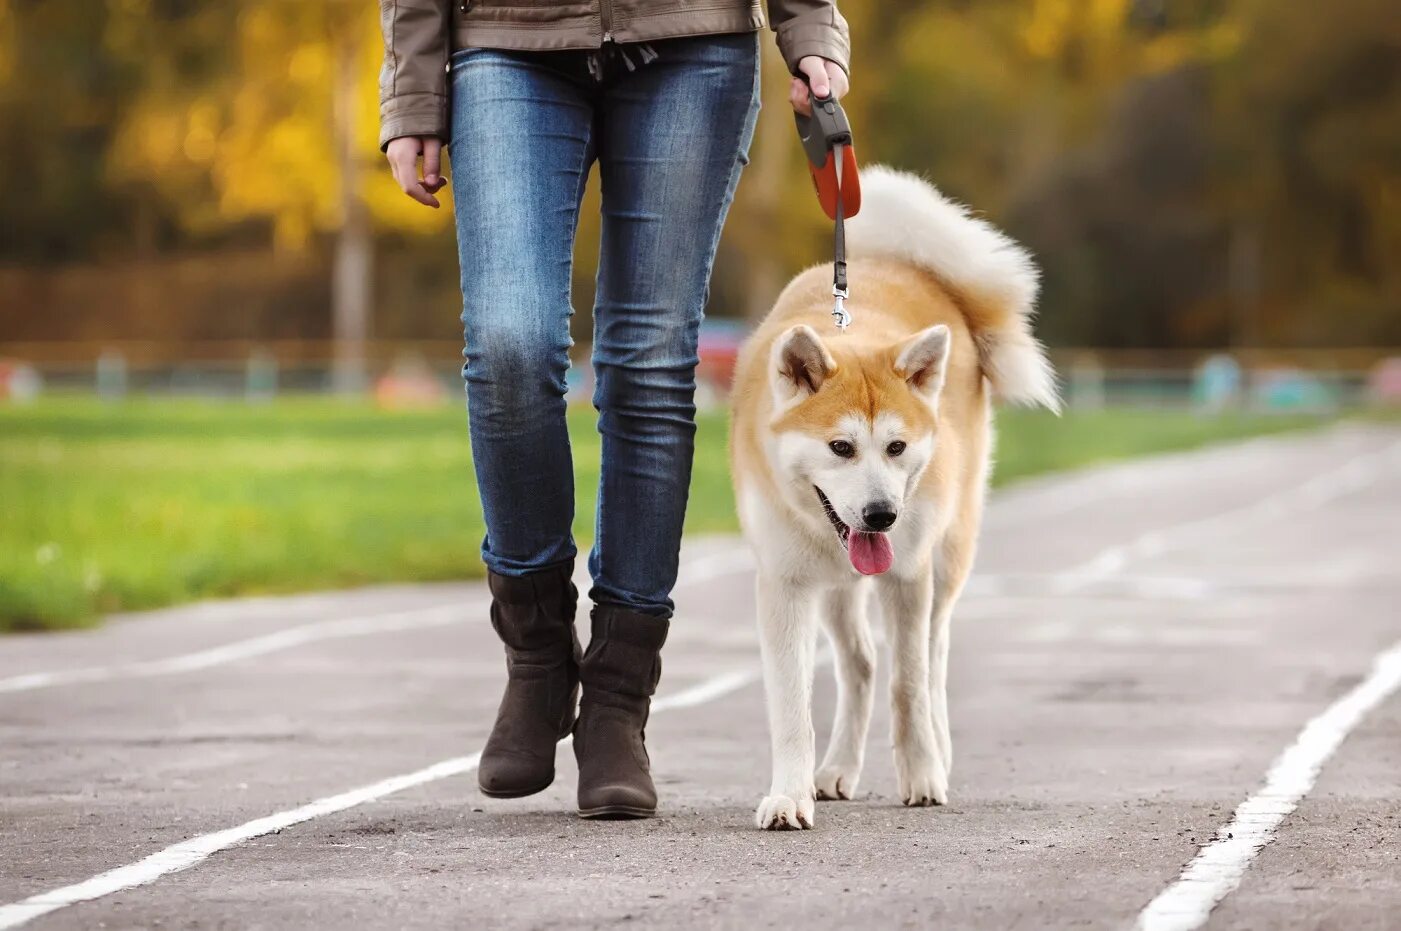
(826, 137)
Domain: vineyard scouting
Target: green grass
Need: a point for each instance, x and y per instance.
(149, 503)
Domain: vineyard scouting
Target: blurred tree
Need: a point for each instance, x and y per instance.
(286, 133)
(55, 203)
(1307, 126)
(1190, 172)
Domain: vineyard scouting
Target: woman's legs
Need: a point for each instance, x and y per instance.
(673, 136)
(521, 151)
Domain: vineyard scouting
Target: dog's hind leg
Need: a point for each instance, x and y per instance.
(788, 644)
(849, 631)
(920, 767)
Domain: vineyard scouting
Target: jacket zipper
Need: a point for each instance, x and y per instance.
(605, 19)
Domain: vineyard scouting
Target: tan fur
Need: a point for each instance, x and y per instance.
(893, 302)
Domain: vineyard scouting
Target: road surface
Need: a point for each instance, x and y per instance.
(1139, 654)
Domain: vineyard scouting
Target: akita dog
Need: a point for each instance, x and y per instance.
(860, 457)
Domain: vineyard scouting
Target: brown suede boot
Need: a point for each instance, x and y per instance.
(619, 671)
(534, 617)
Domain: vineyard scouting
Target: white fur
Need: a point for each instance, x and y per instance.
(905, 217)
(806, 580)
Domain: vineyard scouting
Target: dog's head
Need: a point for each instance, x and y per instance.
(859, 433)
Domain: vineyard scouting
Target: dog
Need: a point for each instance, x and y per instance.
(860, 459)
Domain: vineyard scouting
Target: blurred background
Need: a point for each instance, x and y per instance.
(194, 212)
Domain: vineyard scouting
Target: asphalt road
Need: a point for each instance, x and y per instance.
(1140, 645)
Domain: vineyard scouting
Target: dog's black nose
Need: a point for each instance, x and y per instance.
(878, 516)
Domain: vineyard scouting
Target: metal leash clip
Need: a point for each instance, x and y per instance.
(826, 138)
(839, 311)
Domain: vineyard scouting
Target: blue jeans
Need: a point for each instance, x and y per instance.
(670, 136)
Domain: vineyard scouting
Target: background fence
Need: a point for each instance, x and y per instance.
(405, 372)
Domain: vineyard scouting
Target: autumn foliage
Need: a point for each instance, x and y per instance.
(1190, 172)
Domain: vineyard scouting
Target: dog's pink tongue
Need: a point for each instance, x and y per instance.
(870, 553)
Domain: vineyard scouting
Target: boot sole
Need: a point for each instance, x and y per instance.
(617, 813)
(515, 793)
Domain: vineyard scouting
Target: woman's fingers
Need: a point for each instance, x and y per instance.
(837, 79)
(815, 70)
(798, 97)
(825, 78)
(433, 178)
(403, 156)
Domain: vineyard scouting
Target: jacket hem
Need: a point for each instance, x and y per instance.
(541, 37)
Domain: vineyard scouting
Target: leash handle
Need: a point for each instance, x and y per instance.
(825, 128)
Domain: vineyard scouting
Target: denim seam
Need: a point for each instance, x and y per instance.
(741, 159)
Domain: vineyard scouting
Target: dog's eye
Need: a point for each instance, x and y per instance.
(842, 448)
(895, 448)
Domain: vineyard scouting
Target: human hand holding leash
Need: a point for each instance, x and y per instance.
(822, 77)
(404, 153)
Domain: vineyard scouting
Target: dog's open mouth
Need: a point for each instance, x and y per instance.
(870, 553)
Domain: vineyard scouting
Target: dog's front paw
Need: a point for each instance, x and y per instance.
(781, 813)
(923, 782)
(836, 783)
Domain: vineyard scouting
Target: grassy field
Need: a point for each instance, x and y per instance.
(147, 503)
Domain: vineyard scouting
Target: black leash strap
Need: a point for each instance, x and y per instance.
(839, 289)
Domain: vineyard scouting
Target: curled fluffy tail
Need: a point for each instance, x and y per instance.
(905, 217)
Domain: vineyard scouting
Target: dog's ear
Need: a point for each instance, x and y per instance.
(922, 360)
(800, 365)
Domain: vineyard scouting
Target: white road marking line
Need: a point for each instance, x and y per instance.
(1120, 585)
(1316, 492)
(336, 629)
(1094, 631)
(1057, 495)
(196, 850)
(1218, 868)
(697, 571)
(1342, 717)
(707, 691)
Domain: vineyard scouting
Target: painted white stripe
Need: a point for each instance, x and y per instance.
(707, 691)
(253, 647)
(1039, 586)
(189, 853)
(694, 572)
(1354, 476)
(196, 850)
(1049, 497)
(1217, 869)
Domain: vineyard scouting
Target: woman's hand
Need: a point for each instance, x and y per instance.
(823, 76)
(403, 154)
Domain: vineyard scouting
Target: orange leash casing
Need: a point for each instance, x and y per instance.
(824, 179)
